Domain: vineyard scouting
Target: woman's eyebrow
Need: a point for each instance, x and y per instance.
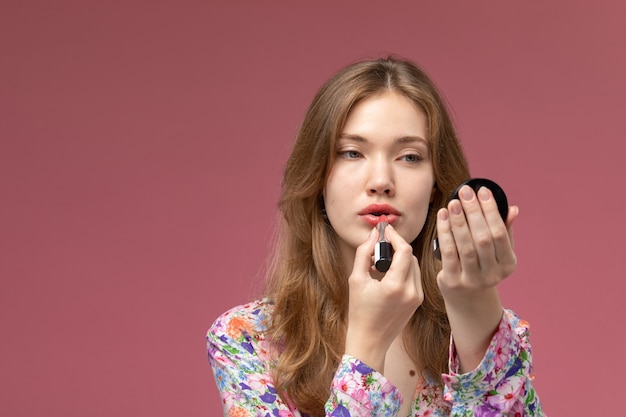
(349, 136)
(400, 140)
(412, 139)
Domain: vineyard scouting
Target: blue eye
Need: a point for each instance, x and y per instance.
(351, 154)
(411, 158)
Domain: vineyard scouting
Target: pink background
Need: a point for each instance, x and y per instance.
(141, 150)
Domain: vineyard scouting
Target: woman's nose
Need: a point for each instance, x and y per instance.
(380, 178)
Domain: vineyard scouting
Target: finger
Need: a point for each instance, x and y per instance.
(402, 256)
(363, 256)
(497, 232)
(465, 219)
(512, 216)
(447, 245)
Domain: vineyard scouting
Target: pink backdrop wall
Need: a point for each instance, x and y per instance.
(140, 159)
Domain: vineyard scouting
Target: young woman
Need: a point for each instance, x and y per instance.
(334, 336)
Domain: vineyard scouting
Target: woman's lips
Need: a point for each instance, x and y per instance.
(373, 220)
(373, 214)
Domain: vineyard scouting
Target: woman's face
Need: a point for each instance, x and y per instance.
(382, 166)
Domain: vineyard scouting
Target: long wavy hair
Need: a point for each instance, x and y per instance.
(305, 281)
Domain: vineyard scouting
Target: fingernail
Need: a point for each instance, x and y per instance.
(443, 215)
(466, 193)
(455, 207)
(484, 194)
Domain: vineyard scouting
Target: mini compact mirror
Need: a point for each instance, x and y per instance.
(475, 184)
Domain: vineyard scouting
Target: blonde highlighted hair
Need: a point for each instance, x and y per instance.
(306, 282)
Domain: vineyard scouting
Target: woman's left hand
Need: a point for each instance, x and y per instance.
(476, 245)
(476, 254)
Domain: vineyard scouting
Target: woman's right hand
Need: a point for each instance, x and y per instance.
(380, 309)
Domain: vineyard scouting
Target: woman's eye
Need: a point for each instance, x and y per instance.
(350, 154)
(412, 158)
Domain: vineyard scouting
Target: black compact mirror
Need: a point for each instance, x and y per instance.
(475, 184)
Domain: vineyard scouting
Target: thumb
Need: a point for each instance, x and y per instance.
(513, 214)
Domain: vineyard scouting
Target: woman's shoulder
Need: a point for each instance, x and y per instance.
(246, 321)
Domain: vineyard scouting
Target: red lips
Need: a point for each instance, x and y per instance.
(373, 214)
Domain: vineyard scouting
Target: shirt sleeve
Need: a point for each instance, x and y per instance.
(501, 385)
(240, 361)
(359, 391)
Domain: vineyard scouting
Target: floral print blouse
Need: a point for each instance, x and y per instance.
(501, 385)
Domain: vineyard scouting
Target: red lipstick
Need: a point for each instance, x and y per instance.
(383, 250)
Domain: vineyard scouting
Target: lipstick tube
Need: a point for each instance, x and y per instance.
(382, 250)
